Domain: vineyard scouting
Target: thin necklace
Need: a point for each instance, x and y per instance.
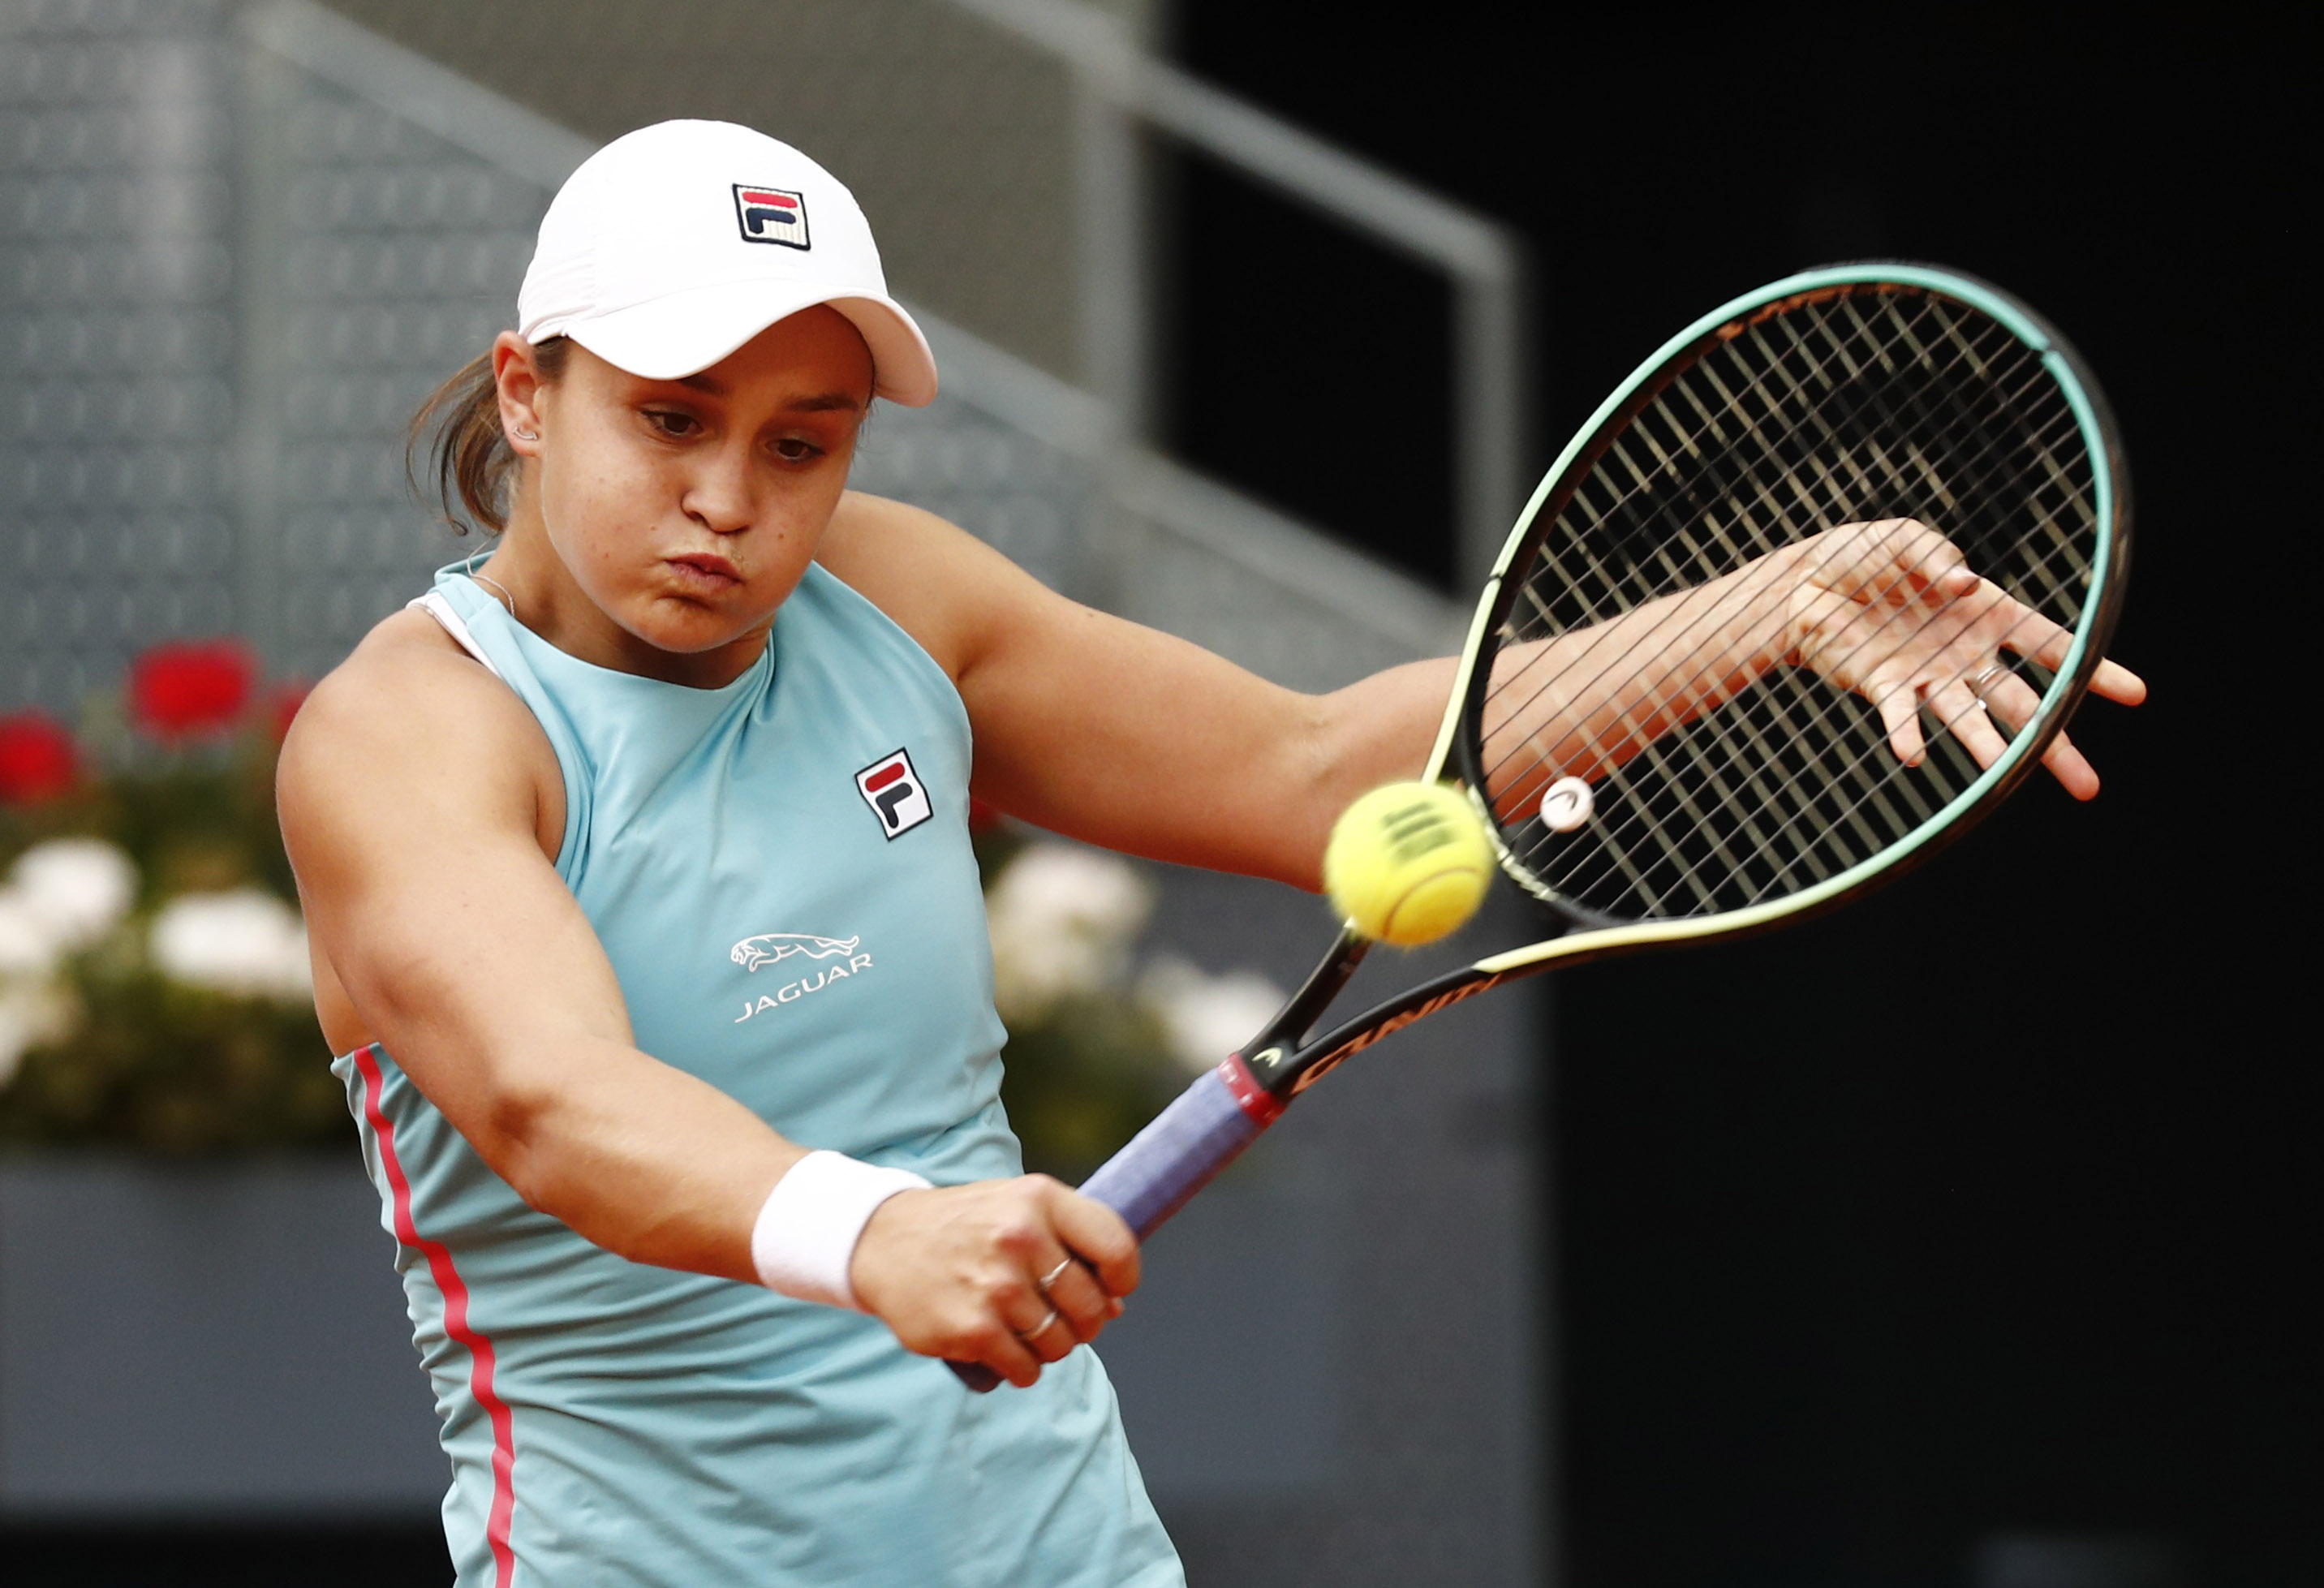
(507, 600)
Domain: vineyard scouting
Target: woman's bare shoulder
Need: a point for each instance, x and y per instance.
(409, 708)
(403, 675)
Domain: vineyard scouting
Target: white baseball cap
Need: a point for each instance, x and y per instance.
(673, 245)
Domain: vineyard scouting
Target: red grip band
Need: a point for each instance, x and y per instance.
(1256, 1101)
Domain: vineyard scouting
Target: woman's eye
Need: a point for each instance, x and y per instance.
(791, 450)
(670, 423)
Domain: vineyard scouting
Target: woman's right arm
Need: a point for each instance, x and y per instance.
(416, 795)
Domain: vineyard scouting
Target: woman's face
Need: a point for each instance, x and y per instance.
(680, 513)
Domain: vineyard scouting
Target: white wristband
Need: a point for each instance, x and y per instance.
(807, 1229)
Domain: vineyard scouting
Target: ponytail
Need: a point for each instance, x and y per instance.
(458, 428)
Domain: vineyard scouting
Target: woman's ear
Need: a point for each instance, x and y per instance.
(517, 372)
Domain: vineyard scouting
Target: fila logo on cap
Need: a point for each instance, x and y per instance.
(770, 215)
(893, 790)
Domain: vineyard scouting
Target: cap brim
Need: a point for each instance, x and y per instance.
(685, 332)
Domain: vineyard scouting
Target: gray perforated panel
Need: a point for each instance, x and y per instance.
(116, 341)
(225, 286)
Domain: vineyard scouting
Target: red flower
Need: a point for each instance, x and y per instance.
(191, 687)
(37, 761)
(284, 703)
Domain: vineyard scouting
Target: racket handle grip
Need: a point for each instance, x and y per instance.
(1183, 1146)
(1180, 1151)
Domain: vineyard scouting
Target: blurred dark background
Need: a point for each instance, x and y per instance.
(1956, 1236)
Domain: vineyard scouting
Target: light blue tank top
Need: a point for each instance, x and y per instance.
(781, 873)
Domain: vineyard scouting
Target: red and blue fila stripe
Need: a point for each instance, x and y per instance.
(483, 1360)
(770, 215)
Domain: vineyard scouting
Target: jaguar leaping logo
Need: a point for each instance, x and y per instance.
(771, 947)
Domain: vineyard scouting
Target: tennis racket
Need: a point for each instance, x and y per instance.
(1796, 438)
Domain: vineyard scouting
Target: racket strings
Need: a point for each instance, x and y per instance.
(1792, 853)
(1772, 715)
(1725, 794)
(1844, 458)
(1860, 772)
(1735, 555)
(1816, 716)
(1870, 404)
(1650, 643)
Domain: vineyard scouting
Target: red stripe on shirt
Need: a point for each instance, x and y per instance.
(882, 778)
(481, 1360)
(781, 200)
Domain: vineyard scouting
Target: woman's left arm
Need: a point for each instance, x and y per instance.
(1109, 732)
(1885, 608)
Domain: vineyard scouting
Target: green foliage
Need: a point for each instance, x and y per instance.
(167, 1068)
(194, 821)
(1085, 1075)
(152, 1064)
(1084, 1079)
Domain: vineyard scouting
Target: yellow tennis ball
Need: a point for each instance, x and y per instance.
(1409, 864)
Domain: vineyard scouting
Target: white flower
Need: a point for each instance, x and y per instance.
(78, 889)
(60, 896)
(1062, 919)
(28, 949)
(246, 942)
(1208, 1017)
(31, 1013)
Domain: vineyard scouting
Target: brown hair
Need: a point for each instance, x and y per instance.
(459, 429)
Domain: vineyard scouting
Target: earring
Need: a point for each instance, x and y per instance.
(526, 435)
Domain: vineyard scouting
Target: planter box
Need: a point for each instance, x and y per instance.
(230, 1340)
(224, 1339)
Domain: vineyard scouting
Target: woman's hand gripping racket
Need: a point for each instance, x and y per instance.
(1808, 595)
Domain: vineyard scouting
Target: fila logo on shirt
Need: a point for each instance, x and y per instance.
(894, 791)
(770, 215)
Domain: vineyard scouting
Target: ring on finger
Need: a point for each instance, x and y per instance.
(1040, 1329)
(1052, 1276)
(1978, 684)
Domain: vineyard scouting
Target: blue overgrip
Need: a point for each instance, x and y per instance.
(1180, 1151)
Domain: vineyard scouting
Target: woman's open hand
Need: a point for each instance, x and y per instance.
(1890, 610)
(1011, 1273)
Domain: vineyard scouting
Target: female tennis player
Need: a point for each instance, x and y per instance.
(645, 922)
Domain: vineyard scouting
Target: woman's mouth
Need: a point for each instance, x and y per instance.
(701, 573)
